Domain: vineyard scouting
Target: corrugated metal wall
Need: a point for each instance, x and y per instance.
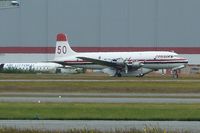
(100, 23)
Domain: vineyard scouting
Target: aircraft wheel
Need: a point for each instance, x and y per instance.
(119, 75)
(140, 75)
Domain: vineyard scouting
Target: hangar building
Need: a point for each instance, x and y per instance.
(28, 29)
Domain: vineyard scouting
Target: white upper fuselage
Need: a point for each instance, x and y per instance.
(150, 59)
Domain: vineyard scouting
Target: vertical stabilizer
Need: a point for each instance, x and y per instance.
(62, 46)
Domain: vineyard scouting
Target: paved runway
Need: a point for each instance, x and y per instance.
(191, 126)
(70, 94)
(77, 94)
(99, 100)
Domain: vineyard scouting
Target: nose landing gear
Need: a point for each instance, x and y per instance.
(175, 74)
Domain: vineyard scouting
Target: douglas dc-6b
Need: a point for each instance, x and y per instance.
(118, 63)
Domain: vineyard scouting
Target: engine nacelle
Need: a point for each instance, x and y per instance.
(118, 61)
(134, 64)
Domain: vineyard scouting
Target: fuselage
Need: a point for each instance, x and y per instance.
(150, 59)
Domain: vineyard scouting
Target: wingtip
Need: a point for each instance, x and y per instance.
(62, 37)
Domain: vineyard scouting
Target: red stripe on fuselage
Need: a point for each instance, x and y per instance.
(143, 61)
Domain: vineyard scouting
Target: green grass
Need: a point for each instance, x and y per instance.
(105, 87)
(138, 86)
(100, 111)
(98, 76)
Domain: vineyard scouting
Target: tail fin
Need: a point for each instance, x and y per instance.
(62, 47)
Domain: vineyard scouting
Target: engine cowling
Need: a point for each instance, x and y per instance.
(118, 61)
(134, 64)
(127, 64)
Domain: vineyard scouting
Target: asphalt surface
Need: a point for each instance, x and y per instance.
(192, 126)
(50, 94)
(98, 100)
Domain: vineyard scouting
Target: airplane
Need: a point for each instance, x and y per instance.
(42, 67)
(118, 63)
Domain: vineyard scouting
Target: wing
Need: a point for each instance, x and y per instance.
(118, 64)
(101, 62)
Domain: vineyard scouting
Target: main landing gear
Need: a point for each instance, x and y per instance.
(140, 75)
(118, 73)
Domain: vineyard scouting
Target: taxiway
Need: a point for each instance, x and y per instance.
(99, 100)
(191, 126)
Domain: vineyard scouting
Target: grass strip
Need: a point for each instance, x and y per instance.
(100, 111)
(98, 76)
(85, 130)
(105, 87)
